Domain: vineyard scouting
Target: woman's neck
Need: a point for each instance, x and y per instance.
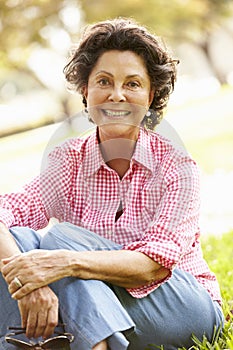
(117, 154)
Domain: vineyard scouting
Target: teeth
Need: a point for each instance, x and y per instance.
(111, 113)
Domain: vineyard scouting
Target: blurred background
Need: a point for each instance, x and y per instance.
(36, 36)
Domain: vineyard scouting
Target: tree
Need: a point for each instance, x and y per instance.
(176, 20)
(27, 26)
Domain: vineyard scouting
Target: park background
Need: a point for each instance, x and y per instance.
(36, 36)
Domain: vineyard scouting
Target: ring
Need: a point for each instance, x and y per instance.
(17, 282)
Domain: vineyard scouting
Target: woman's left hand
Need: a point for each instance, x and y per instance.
(33, 269)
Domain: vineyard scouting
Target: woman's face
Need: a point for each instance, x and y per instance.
(118, 94)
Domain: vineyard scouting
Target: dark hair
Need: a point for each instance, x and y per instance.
(124, 34)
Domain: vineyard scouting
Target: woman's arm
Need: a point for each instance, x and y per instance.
(38, 309)
(8, 247)
(127, 269)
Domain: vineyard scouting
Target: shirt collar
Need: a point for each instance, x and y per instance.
(92, 157)
(93, 160)
(144, 153)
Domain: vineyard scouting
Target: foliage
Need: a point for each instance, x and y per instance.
(180, 19)
(29, 26)
(39, 18)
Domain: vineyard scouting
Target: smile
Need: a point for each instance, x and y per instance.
(115, 113)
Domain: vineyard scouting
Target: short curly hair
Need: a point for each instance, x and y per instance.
(124, 34)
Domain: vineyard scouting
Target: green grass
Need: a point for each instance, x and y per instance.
(218, 252)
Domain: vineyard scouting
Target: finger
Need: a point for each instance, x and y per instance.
(12, 288)
(9, 259)
(41, 323)
(28, 311)
(23, 313)
(15, 285)
(31, 324)
(9, 263)
(19, 293)
(9, 271)
(52, 321)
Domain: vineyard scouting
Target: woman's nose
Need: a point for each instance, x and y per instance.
(117, 94)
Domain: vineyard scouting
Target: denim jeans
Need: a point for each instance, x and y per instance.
(93, 310)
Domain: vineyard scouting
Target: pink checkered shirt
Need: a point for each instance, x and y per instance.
(159, 198)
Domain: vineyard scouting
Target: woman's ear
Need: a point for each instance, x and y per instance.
(151, 96)
(85, 92)
(84, 96)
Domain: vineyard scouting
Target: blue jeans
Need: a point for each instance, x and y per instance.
(93, 310)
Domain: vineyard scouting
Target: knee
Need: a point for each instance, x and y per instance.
(62, 236)
(26, 238)
(66, 229)
(71, 237)
(53, 238)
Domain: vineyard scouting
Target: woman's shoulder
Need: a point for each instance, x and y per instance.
(74, 144)
(170, 153)
(167, 144)
(68, 151)
(172, 160)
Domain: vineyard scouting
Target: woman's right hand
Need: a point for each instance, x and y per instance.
(39, 312)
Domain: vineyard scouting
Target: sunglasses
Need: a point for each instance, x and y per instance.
(61, 341)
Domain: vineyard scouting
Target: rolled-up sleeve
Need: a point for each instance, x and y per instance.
(41, 199)
(23, 208)
(175, 224)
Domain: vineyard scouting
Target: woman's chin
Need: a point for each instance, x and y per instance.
(118, 130)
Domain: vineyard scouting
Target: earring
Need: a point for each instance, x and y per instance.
(148, 113)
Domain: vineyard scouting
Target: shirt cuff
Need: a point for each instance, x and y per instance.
(167, 256)
(143, 291)
(6, 217)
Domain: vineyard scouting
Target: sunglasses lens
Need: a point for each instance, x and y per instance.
(56, 343)
(20, 344)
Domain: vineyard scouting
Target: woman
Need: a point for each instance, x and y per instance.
(124, 267)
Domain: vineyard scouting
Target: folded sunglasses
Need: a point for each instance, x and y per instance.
(61, 341)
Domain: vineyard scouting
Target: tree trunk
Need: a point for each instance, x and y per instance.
(204, 46)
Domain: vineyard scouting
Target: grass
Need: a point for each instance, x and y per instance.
(218, 252)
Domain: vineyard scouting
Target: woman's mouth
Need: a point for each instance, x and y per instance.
(116, 114)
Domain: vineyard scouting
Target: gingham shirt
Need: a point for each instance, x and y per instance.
(158, 196)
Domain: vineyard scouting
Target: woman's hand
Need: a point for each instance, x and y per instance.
(38, 305)
(34, 269)
(39, 312)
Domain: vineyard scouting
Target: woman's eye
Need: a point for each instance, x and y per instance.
(133, 84)
(103, 82)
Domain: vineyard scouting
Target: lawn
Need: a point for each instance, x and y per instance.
(218, 252)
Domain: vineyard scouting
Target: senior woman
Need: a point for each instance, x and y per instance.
(124, 266)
